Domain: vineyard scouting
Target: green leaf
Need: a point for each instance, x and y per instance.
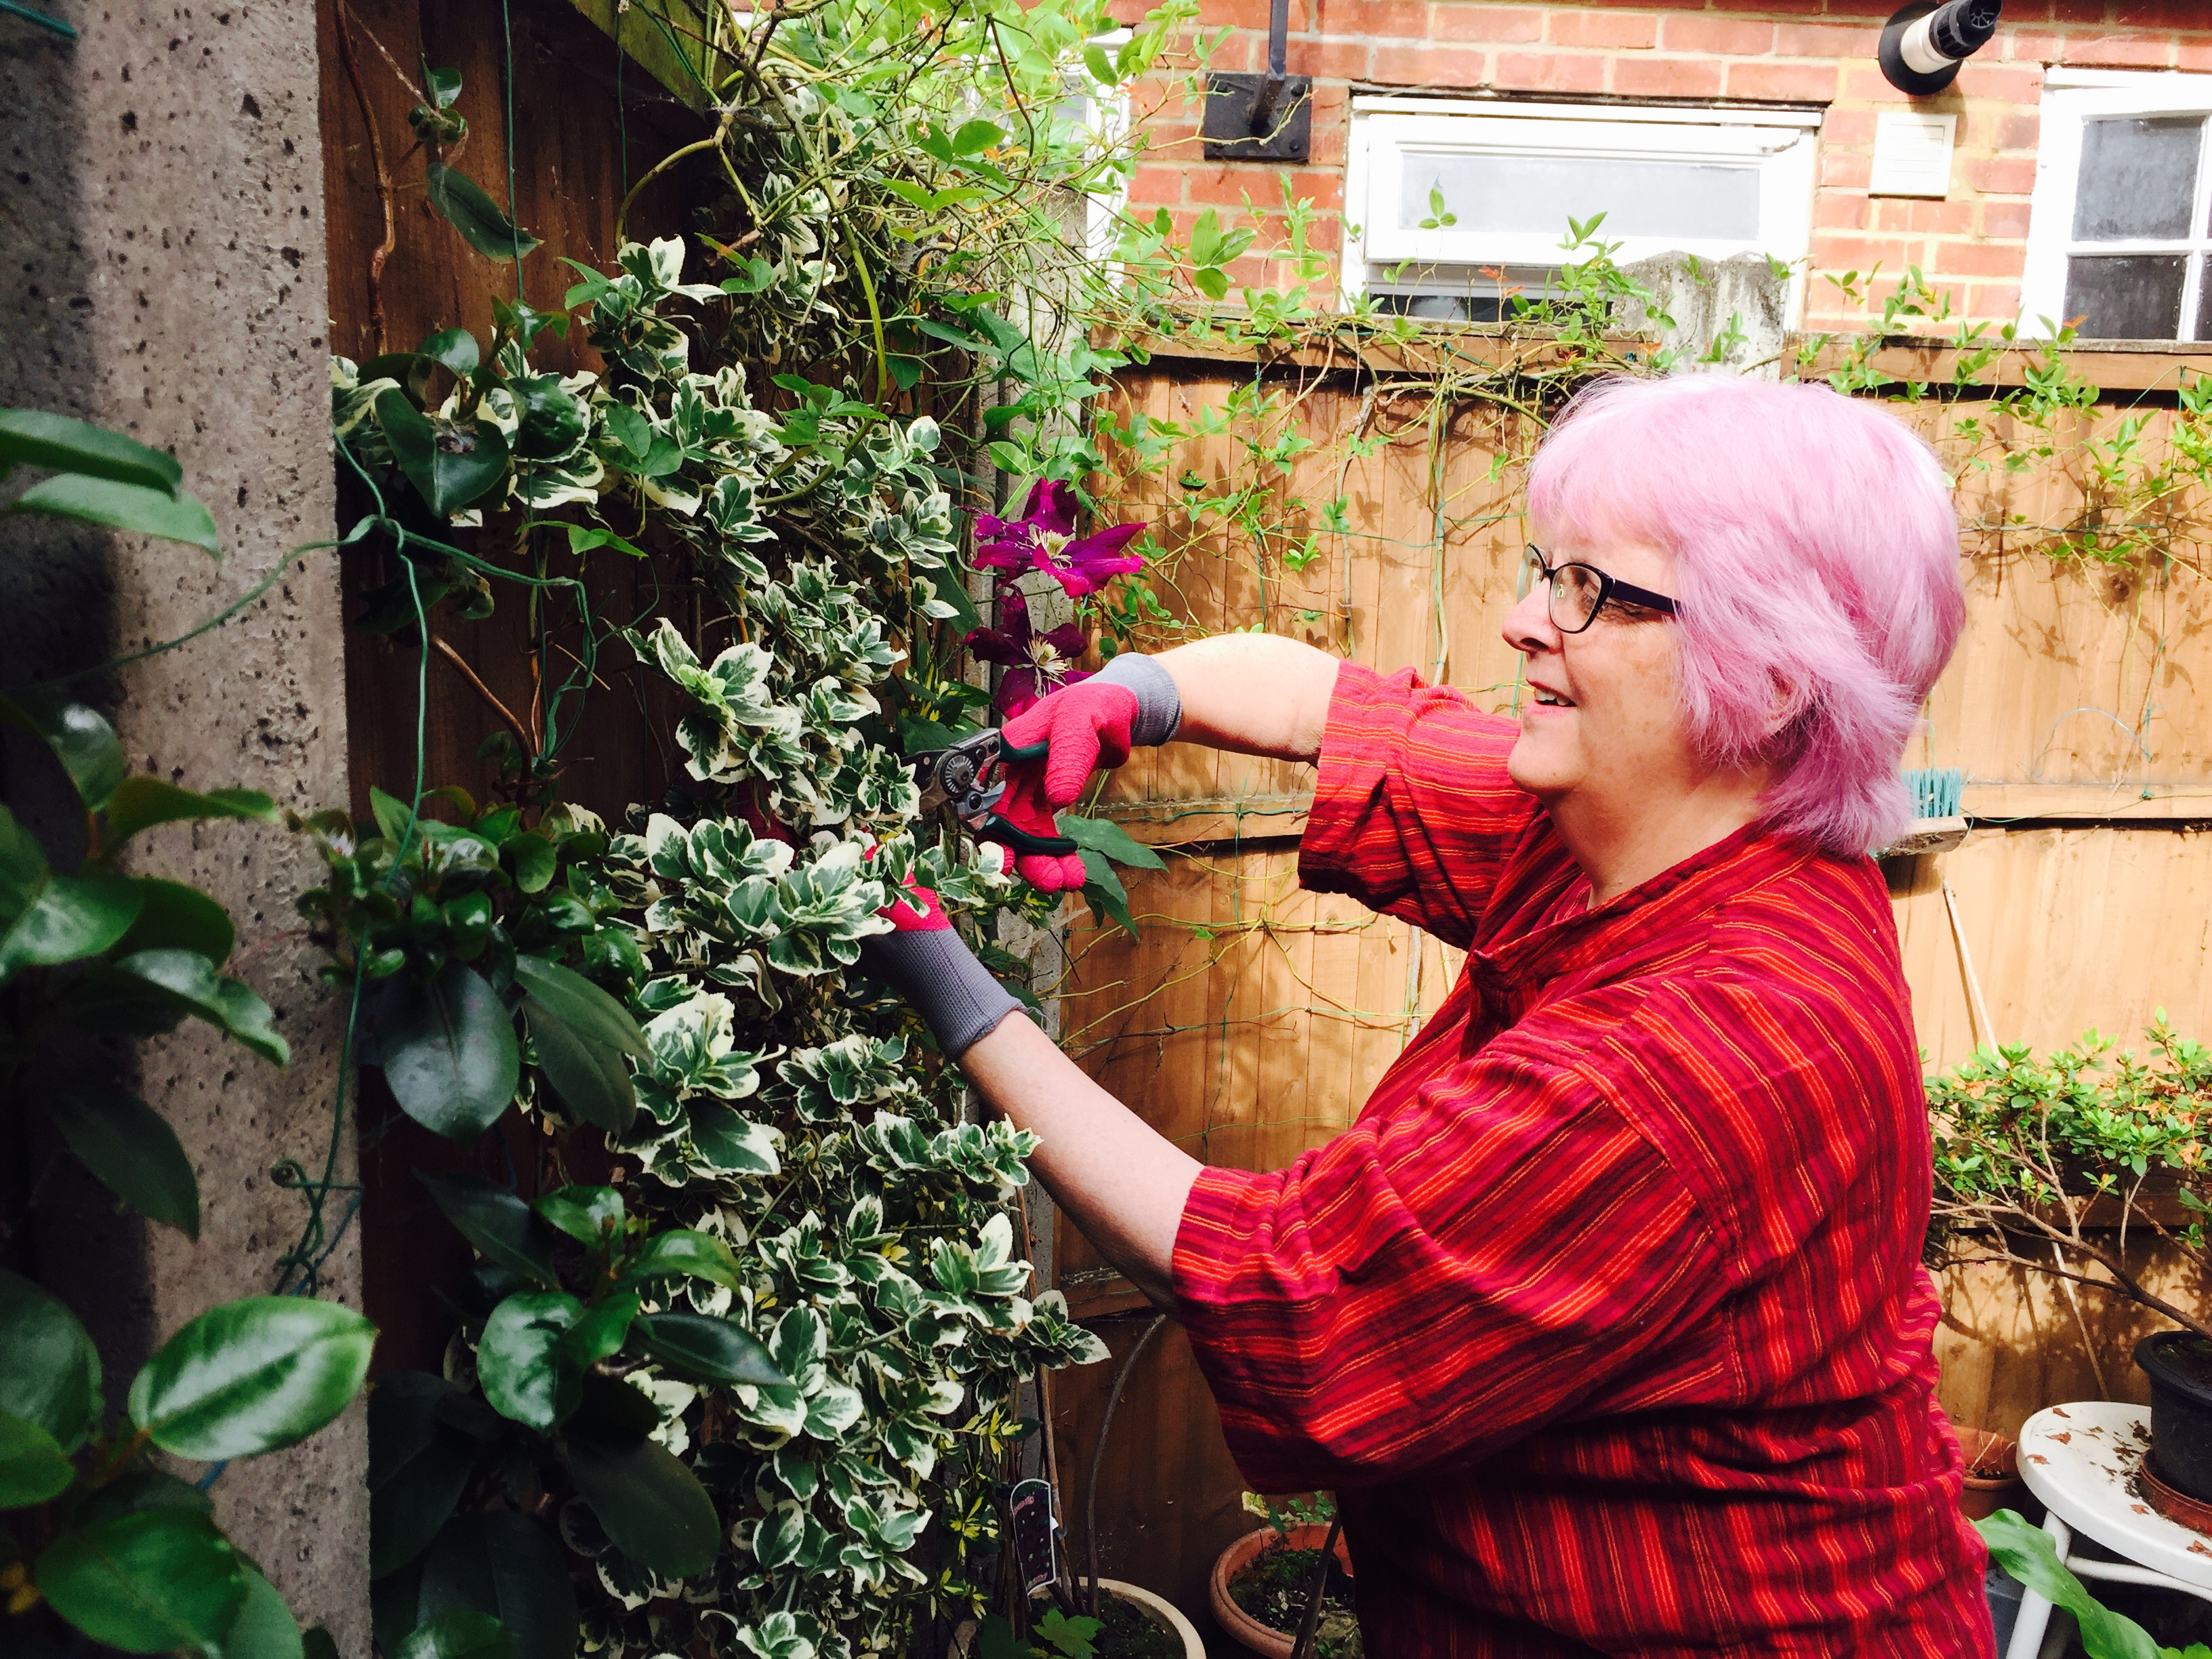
(1073, 1638)
(600, 1332)
(48, 1370)
(708, 1349)
(591, 1215)
(729, 1142)
(593, 1081)
(519, 1359)
(530, 855)
(496, 1221)
(147, 1581)
(1211, 282)
(648, 1502)
(317, 1643)
(449, 1051)
(475, 214)
(126, 507)
(977, 136)
(265, 1628)
(451, 466)
(444, 85)
(456, 348)
(682, 1253)
(392, 814)
(175, 917)
(631, 429)
(140, 803)
(1103, 892)
(80, 738)
(251, 1377)
(582, 538)
(460, 1633)
(31, 437)
(32, 1465)
(188, 982)
(506, 1565)
(418, 1467)
(57, 919)
(131, 1148)
(2028, 1553)
(141, 1488)
(1105, 835)
(582, 1005)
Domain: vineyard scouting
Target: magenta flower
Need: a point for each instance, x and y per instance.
(1044, 538)
(1035, 663)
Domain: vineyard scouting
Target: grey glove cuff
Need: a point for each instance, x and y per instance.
(944, 981)
(1159, 705)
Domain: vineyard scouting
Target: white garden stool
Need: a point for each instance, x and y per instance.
(2080, 1460)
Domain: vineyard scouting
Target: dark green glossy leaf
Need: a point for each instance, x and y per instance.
(126, 507)
(131, 1148)
(444, 84)
(497, 1223)
(456, 348)
(48, 1370)
(475, 214)
(56, 918)
(317, 1643)
(507, 1566)
(682, 1253)
(190, 982)
(139, 802)
(449, 1051)
(252, 1376)
(708, 1349)
(730, 1143)
(32, 1465)
(599, 1332)
(552, 422)
(519, 1358)
(582, 1005)
(614, 1406)
(591, 1215)
(80, 738)
(649, 1503)
(451, 466)
(141, 1488)
(418, 1465)
(411, 368)
(592, 1080)
(460, 1633)
(394, 1606)
(265, 1628)
(147, 1581)
(530, 855)
(174, 917)
(1109, 837)
(31, 437)
(2029, 1555)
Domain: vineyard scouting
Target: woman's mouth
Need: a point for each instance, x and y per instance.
(1550, 699)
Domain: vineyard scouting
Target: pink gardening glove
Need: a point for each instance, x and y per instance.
(1048, 753)
(926, 961)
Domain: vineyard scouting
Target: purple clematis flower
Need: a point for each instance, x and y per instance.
(1035, 663)
(1044, 538)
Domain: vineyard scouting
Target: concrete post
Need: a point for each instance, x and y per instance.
(1736, 304)
(162, 226)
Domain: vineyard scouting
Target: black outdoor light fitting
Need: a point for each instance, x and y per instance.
(1923, 44)
(1260, 118)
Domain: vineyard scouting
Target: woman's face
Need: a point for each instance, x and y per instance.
(1600, 725)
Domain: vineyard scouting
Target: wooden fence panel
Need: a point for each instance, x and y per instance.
(1251, 1019)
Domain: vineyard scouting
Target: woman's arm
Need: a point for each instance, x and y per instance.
(1117, 1178)
(1255, 694)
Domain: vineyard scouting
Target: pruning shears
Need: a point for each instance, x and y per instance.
(968, 776)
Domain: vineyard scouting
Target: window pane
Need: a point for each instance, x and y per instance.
(2204, 303)
(1690, 200)
(2134, 296)
(2138, 178)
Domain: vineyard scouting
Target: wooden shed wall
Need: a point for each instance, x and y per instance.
(1250, 1019)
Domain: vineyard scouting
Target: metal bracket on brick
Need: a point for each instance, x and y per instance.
(1260, 118)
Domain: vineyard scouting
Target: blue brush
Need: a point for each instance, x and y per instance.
(1935, 791)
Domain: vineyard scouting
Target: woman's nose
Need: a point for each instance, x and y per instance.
(1529, 624)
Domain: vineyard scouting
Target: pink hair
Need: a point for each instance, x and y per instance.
(1817, 565)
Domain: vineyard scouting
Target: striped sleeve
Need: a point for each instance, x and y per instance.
(1438, 1282)
(1414, 813)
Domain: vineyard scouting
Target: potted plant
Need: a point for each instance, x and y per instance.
(1993, 1481)
(1132, 1623)
(1264, 1585)
(2074, 1166)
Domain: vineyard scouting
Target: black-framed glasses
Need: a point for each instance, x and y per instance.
(1579, 592)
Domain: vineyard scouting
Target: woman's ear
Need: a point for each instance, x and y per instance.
(1789, 698)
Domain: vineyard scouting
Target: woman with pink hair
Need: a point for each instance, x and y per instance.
(1606, 1321)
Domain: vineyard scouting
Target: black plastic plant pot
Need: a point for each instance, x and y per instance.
(2179, 1366)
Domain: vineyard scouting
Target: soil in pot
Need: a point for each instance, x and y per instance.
(2179, 1366)
(1993, 1481)
(1127, 1632)
(1272, 1589)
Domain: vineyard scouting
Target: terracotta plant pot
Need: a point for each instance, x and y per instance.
(1159, 1608)
(1239, 1626)
(1993, 1481)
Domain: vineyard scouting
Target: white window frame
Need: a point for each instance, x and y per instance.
(1782, 144)
(2071, 98)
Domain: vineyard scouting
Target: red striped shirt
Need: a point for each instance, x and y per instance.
(1607, 1319)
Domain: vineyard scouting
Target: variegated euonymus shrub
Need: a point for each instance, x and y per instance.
(767, 1383)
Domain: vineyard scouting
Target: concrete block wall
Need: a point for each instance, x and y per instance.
(1971, 244)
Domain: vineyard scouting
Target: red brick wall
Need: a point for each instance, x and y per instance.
(1971, 244)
